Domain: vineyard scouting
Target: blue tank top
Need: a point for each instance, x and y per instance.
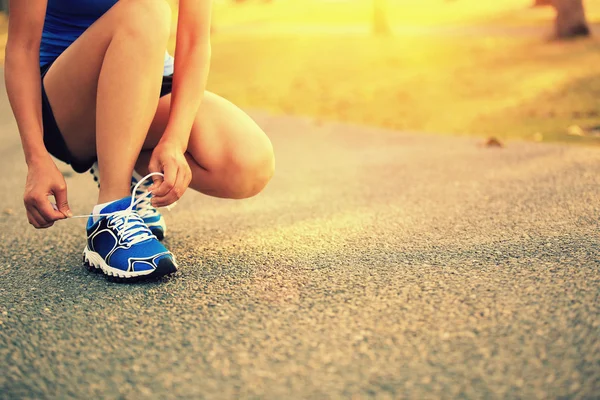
(66, 20)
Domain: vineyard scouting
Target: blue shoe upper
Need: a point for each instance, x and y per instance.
(149, 214)
(123, 239)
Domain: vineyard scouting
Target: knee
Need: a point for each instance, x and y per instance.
(148, 21)
(247, 173)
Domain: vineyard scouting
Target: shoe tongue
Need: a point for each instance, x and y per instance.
(117, 205)
(136, 177)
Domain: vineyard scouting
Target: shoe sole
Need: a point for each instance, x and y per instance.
(95, 263)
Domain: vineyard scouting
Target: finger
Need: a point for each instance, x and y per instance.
(36, 216)
(187, 175)
(44, 207)
(170, 172)
(32, 220)
(190, 176)
(156, 181)
(179, 187)
(60, 195)
(28, 203)
(174, 194)
(40, 221)
(187, 179)
(154, 166)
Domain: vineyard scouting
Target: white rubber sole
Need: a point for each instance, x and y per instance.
(95, 261)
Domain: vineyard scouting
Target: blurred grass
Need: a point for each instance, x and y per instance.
(510, 87)
(514, 86)
(399, 12)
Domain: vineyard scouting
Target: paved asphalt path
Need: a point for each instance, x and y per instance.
(376, 264)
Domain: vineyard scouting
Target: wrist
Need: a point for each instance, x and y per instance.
(173, 140)
(34, 158)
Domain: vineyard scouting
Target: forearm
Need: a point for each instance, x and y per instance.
(23, 86)
(192, 65)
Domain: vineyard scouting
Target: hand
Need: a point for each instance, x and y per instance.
(169, 159)
(43, 180)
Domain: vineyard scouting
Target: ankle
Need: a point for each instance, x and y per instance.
(106, 196)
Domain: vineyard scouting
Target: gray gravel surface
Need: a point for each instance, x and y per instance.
(376, 264)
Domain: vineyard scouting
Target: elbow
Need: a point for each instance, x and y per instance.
(19, 55)
(17, 52)
(22, 45)
(13, 56)
(193, 44)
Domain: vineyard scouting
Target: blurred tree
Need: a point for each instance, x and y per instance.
(570, 18)
(381, 25)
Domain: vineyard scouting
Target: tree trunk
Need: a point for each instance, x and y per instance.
(381, 25)
(570, 19)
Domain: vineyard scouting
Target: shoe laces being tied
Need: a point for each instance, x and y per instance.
(128, 223)
(130, 227)
(144, 205)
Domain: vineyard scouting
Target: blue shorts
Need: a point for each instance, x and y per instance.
(53, 139)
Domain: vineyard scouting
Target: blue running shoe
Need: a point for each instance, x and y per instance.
(122, 246)
(150, 214)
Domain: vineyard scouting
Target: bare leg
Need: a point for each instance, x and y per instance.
(230, 156)
(104, 89)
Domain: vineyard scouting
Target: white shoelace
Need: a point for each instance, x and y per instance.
(130, 227)
(144, 207)
(127, 222)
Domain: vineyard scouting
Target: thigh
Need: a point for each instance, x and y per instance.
(71, 83)
(72, 80)
(222, 134)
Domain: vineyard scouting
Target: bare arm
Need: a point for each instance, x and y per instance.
(23, 86)
(22, 73)
(192, 62)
